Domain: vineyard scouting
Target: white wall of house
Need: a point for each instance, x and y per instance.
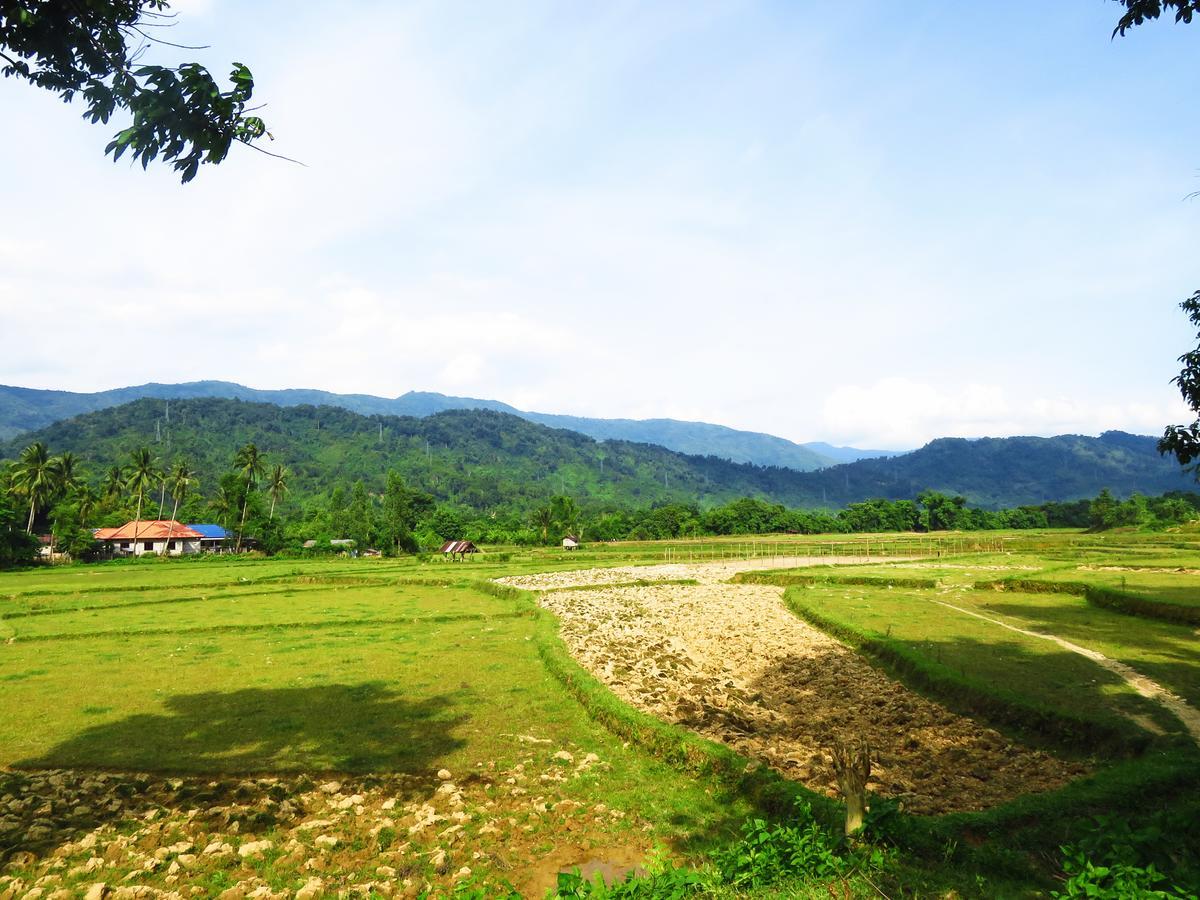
(141, 547)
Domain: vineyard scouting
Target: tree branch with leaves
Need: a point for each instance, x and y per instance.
(93, 48)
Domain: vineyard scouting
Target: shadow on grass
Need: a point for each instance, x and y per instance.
(327, 728)
(371, 735)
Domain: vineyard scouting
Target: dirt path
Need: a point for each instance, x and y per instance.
(1187, 714)
(732, 663)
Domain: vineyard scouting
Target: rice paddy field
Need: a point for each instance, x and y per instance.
(247, 727)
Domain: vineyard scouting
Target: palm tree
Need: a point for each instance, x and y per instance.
(566, 514)
(114, 483)
(276, 486)
(249, 462)
(223, 505)
(142, 476)
(181, 478)
(543, 518)
(34, 476)
(87, 498)
(67, 472)
(162, 492)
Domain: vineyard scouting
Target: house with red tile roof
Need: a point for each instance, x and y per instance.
(157, 536)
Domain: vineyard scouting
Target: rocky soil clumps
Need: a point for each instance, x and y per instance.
(109, 836)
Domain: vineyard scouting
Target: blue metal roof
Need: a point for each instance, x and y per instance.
(210, 531)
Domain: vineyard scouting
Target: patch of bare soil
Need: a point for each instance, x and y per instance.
(1172, 570)
(992, 568)
(613, 864)
(704, 572)
(120, 836)
(733, 664)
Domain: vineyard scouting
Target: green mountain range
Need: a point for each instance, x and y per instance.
(26, 409)
(488, 460)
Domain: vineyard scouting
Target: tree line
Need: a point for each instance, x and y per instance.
(54, 495)
(42, 493)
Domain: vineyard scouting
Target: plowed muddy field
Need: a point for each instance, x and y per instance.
(733, 664)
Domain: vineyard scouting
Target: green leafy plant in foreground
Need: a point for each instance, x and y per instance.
(1115, 861)
(766, 853)
(668, 884)
(1112, 882)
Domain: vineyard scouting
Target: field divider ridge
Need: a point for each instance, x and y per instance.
(268, 626)
(786, 578)
(1125, 602)
(974, 698)
(136, 604)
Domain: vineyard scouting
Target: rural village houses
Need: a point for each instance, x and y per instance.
(162, 536)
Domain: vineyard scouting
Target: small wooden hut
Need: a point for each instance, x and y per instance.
(571, 542)
(459, 549)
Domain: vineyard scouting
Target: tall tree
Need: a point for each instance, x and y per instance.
(113, 484)
(359, 519)
(566, 514)
(399, 516)
(34, 477)
(87, 499)
(223, 505)
(17, 546)
(67, 471)
(543, 520)
(94, 48)
(142, 476)
(337, 511)
(181, 478)
(1183, 441)
(276, 486)
(248, 462)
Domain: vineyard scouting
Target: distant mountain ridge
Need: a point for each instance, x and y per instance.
(485, 459)
(26, 409)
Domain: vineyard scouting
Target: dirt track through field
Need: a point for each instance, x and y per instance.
(732, 663)
(1152, 690)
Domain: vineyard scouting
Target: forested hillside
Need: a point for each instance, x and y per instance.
(489, 461)
(1003, 472)
(479, 459)
(26, 409)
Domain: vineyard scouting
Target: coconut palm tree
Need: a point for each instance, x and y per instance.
(86, 497)
(67, 473)
(181, 479)
(34, 476)
(276, 486)
(222, 504)
(543, 518)
(114, 483)
(566, 514)
(142, 476)
(249, 462)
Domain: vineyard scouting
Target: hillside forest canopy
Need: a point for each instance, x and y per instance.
(55, 494)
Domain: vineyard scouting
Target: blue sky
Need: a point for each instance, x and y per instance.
(865, 223)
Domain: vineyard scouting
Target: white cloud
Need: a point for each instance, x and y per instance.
(901, 413)
(606, 211)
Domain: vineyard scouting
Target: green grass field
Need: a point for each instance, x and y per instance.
(376, 669)
(1028, 667)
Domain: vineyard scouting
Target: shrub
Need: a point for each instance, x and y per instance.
(766, 853)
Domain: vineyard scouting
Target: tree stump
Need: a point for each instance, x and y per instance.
(852, 767)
